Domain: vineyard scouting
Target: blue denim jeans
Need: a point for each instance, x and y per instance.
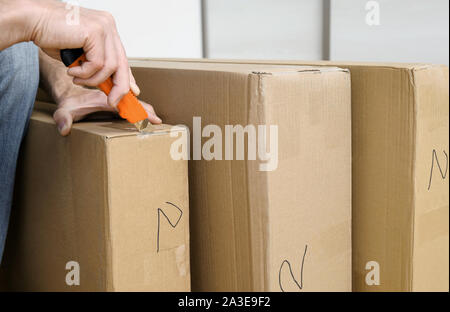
(19, 80)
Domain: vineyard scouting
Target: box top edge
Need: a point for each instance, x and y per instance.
(398, 65)
(108, 129)
(241, 68)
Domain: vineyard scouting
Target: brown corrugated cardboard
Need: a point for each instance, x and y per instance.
(105, 197)
(400, 115)
(430, 267)
(286, 229)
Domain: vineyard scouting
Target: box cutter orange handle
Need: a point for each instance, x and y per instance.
(129, 107)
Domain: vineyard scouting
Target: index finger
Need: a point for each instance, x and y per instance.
(95, 59)
(121, 79)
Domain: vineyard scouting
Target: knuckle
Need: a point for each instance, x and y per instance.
(97, 64)
(111, 67)
(107, 18)
(98, 28)
(90, 83)
(122, 90)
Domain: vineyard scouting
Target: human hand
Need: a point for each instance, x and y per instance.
(75, 105)
(96, 34)
(75, 102)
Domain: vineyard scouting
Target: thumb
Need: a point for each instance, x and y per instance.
(64, 120)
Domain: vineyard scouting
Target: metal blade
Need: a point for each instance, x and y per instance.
(141, 125)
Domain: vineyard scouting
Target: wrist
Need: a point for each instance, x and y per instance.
(28, 18)
(14, 22)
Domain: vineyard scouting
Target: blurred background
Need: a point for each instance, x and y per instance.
(355, 30)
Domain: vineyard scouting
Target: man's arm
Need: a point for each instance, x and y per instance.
(45, 23)
(16, 21)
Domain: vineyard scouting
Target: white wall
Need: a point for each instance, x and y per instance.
(280, 29)
(156, 28)
(409, 31)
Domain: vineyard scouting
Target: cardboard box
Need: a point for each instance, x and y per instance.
(104, 202)
(400, 122)
(287, 228)
(400, 176)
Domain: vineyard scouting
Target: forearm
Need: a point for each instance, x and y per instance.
(18, 20)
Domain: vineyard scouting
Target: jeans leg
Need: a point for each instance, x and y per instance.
(19, 80)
